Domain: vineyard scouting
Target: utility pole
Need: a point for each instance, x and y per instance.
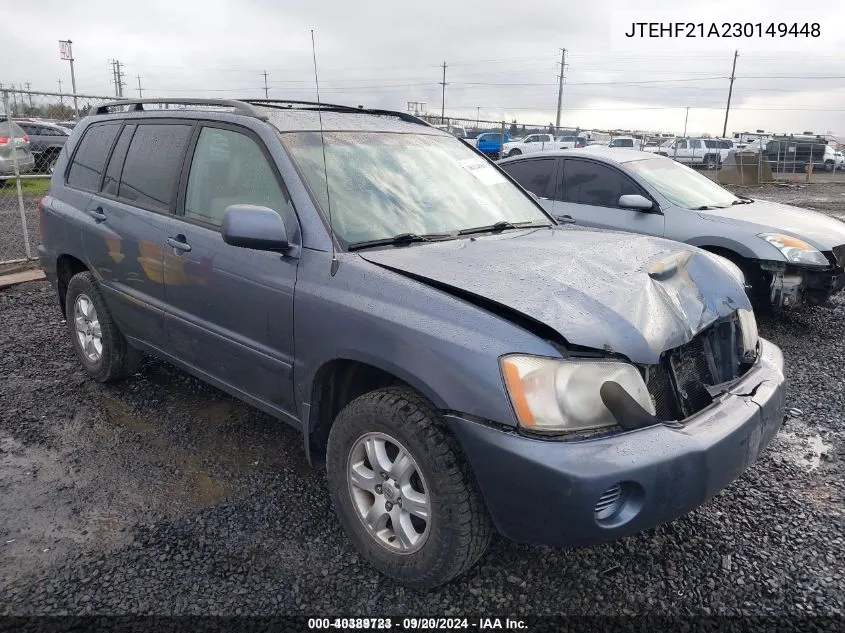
(686, 118)
(28, 89)
(266, 95)
(730, 92)
(560, 86)
(117, 75)
(140, 90)
(443, 96)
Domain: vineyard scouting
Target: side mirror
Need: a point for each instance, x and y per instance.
(251, 226)
(635, 201)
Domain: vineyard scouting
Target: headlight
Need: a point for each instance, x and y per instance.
(554, 395)
(795, 250)
(748, 329)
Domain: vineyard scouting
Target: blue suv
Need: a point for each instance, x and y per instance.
(456, 360)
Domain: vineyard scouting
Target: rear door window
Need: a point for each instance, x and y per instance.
(153, 165)
(89, 160)
(112, 179)
(537, 176)
(585, 182)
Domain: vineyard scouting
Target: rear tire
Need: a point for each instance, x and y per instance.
(420, 553)
(828, 166)
(711, 162)
(101, 347)
(514, 152)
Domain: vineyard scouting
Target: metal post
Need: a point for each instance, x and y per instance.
(73, 80)
(266, 93)
(14, 143)
(443, 95)
(501, 151)
(686, 118)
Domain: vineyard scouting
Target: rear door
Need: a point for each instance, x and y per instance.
(589, 193)
(127, 222)
(537, 175)
(230, 309)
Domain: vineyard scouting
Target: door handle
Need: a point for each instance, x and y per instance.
(179, 243)
(98, 214)
(565, 219)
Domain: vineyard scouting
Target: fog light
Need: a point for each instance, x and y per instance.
(619, 504)
(609, 503)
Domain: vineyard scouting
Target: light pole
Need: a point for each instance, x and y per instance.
(66, 52)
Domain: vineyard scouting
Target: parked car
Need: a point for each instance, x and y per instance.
(14, 139)
(695, 152)
(624, 141)
(571, 142)
(840, 159)
(533, 143)
(490, 143)
(68, 124)
(789, 255)
(46, 141)
(455, 360)
(454, 130)
(795, 153)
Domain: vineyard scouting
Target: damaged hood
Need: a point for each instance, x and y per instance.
(630, 294)
(820, 230)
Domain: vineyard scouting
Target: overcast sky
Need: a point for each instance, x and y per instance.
(502, 59)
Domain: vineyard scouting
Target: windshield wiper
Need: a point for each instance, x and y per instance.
(400, 240)
(742, 200)
(502, 226)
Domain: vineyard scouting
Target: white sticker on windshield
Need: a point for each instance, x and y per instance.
(486, 173)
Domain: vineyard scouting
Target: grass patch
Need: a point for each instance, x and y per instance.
(29, 187)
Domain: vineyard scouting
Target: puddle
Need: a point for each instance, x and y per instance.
(803, 447)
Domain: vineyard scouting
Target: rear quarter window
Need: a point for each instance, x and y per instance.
(89, 160)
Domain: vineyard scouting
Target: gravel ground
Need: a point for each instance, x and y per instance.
(164, 495)
(11, 230)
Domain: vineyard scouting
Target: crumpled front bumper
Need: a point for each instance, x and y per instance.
(544, 491)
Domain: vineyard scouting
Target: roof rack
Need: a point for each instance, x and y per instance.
(285, 104)
(247, 107)
(137, 105)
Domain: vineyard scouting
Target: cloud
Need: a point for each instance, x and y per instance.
(501, 60)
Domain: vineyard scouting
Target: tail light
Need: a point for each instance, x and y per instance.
(4, 140)
(25, 138)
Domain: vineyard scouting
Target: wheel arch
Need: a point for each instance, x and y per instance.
(66, 267)
(336, 383)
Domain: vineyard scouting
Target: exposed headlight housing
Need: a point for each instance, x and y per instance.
(795, 250)
(748, 331)
(555, 395)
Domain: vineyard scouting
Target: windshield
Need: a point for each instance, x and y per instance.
(681, 185)
(387, 184)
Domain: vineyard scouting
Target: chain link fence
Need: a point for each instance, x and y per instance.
(30, 144)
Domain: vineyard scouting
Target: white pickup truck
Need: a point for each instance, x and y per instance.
(536, 143)
(695, 152)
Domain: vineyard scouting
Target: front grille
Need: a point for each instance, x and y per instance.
(692, 372)
(678, 385)
(659, 385)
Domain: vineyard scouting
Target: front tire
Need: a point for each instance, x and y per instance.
(402, 490)
(514, 152)
(711, 162)
(101, 347)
